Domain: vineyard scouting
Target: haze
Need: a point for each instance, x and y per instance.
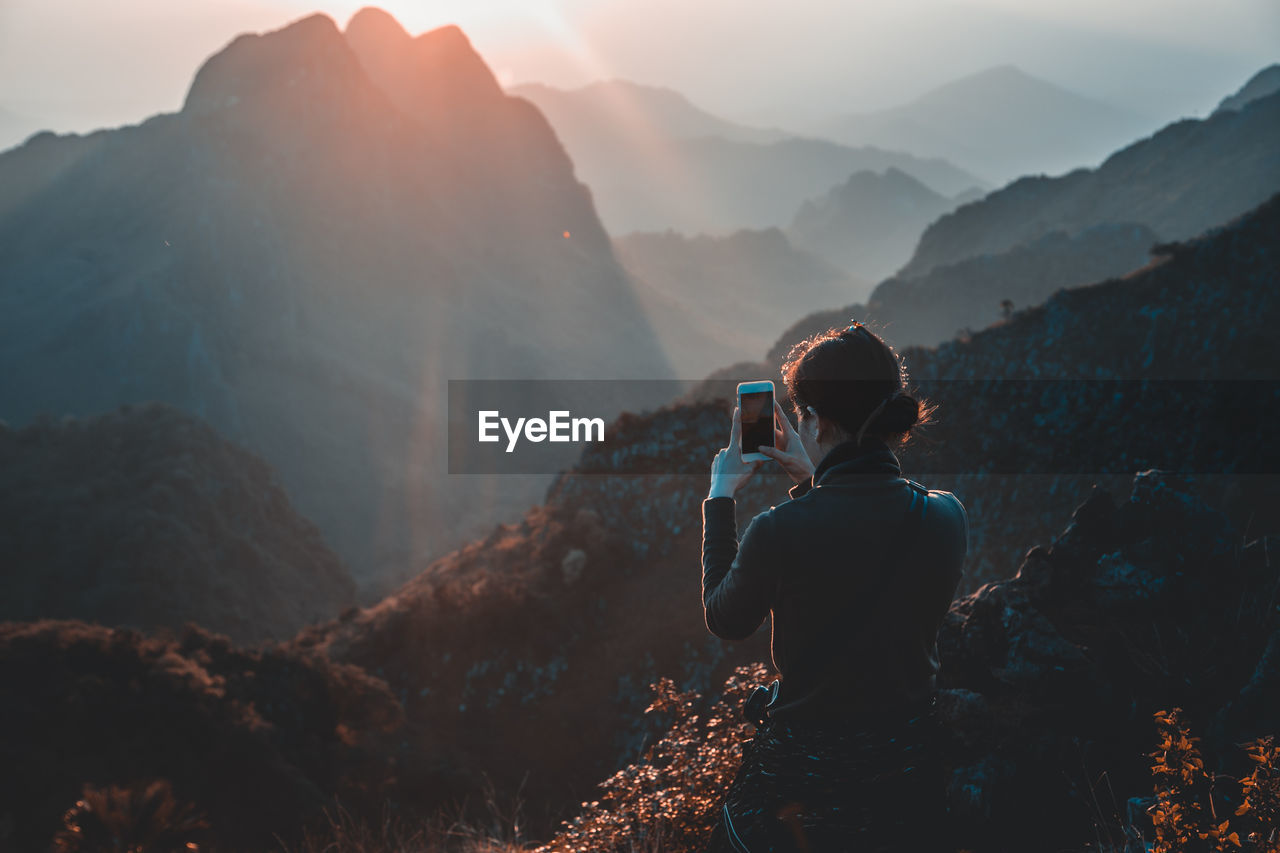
(78, 65)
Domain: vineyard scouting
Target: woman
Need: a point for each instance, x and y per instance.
(858, 569)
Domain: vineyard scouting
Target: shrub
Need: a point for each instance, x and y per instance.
(1185, 815)
(668, 800)
(137, 818)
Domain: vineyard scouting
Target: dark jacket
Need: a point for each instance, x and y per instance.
(816, 558)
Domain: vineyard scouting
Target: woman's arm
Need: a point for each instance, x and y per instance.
(738, 581)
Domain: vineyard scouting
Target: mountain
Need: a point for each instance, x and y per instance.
(869, 225)
(1002, 123)
(1190, 176)
(330, 229)
(611, 558)
(172, 524)
(718, 300)
(618, 111)
(1265, 82)
(978, 292)
(655, 162)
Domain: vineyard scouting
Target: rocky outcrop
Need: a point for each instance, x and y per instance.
(1051, 677)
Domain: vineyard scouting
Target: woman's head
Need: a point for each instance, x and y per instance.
(843, 381)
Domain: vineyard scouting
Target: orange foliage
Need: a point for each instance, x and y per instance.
(1185, 815)
(668, 800)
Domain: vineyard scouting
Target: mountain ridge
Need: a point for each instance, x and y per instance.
(1000, 122)
(648, 176)
(1165, 181)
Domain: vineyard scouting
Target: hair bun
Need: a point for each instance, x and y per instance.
(900, 413)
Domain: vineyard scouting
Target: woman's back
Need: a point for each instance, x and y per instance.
(856, 609)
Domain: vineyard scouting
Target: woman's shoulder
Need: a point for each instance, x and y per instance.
(948, 517)
(947, 500)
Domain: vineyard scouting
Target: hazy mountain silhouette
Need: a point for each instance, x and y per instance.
(304, 263)
(654, 162)
(617, 111)
(870, 224)
(612, 561)
(971, 294)
(1001, 123)
(717, 300)
(1265, 82)
(171, 524)
(1192, 175)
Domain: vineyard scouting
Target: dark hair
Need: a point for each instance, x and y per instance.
(846, 375)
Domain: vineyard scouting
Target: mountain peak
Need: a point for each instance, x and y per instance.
(377, 26)
(449, 35)
(992, 85)
(435, 76)
(308, 55)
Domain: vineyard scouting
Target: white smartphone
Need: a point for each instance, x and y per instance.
(755, 403)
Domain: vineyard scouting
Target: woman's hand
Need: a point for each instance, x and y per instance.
(788, 451)
(728, 472)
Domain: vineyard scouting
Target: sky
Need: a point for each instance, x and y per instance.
(76, 65)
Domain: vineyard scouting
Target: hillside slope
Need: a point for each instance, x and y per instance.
(147, 517)
(1192, 175)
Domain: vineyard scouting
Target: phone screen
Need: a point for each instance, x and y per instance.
(757, 420)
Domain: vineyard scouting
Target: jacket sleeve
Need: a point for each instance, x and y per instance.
(738, 581)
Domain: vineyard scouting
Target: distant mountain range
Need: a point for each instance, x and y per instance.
(654, 161)
(972, 294)
(714, 301)
(331, 228)
(870, 224)
(1065, 227)
(1001, 123)
(146, 517)
(1187, 177)
(621, 111)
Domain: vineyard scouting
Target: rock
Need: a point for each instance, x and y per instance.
(573, 564)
